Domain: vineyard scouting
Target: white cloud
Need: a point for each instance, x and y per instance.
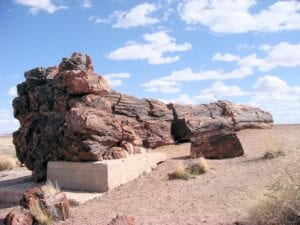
(86, 4)
(8, 123)
(181, 99)
(137, 16)
(171, 83)
(280, 55)
(274, 95)
(245, 47)
(218, 90)
(231, 16)
(250, 61)
(13, 91)
(187, 75)
(157, 44)
(40, 5)
(160, 85)
(97, 20)
(115, 79)
(269, 93)
(116, 75)
(225, 57)
(270, 84)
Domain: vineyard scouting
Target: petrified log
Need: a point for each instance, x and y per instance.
(68, 112)
(188, 119)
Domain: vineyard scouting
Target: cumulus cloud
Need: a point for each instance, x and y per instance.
(97, 20)
(171, 83)
(153, 50)
(218, 90)
(269, 93)
(86, 4)
(274, 95)
(231, 16)
(40, 5)
(181, 99)
(8, 123)
(13, 91)
(279, 55)
(225, 57)
(161, 85)
(282, 54)
(139, 15)
(115, 79)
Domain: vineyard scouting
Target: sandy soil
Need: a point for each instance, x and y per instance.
(222, 196)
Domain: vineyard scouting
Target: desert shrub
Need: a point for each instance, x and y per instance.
(198, 167)
(192, 168)
(49, 189)
(8, 162)
(182, 173)
(40, 214)
(273, 154)
(280, 205)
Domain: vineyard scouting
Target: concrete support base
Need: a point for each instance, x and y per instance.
(103, 175)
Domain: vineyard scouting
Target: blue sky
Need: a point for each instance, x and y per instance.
(191, 51)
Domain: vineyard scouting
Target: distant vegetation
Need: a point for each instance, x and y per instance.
(8, 162)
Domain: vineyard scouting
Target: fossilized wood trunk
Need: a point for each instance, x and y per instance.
(69, 113)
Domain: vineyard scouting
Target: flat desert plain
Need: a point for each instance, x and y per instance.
(221, 196)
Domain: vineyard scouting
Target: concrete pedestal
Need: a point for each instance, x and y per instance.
(103, 175)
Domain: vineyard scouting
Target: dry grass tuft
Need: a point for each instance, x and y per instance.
(198, 167)
(182, 173)
(273, 154)
(280, 205)
(273, 148)
(8, 162)
(40, 214)
(192, 168)
(49, 189)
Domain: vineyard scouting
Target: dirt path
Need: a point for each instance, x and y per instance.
(218, 197)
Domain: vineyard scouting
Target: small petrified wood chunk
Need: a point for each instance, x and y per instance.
(123, 220)
(18, 216)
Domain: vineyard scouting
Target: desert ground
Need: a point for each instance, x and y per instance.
(221, 196)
